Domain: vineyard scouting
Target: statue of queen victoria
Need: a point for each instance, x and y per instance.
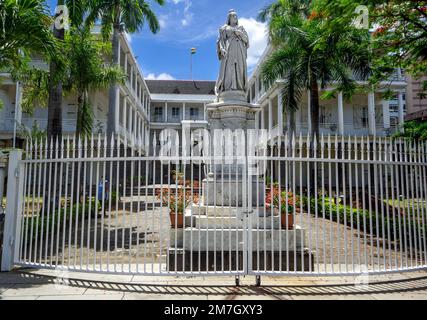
(232, 47)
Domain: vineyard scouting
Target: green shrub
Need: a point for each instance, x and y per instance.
(337, 211)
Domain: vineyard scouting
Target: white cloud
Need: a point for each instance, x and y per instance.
(161, 76)
(258, 39)
(187, 15)
(163, 21)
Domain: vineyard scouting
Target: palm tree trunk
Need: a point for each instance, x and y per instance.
(112, 94)
(54, 118)
(80, 105)
(314, 112)
(314, 107)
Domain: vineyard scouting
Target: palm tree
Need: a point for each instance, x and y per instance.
(77, 10)
(310, 57)
(118, 16)
(87, 72)
(24, 29)
(84, 70)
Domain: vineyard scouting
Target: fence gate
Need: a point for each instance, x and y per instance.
(328, 206)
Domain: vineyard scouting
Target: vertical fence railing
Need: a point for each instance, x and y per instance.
(332, 205)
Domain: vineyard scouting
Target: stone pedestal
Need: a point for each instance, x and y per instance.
(216, 231)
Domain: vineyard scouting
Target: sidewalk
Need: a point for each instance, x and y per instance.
(44, 284)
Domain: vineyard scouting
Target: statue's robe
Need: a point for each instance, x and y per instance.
(233, 71)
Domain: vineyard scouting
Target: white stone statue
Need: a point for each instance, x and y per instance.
(232, 47)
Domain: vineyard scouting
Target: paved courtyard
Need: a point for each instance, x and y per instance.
(43, 284)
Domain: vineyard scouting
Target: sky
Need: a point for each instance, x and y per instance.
(193, 23)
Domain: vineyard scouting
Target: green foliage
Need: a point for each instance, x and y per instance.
(31, 134)
(398, 29)
(369, 221)
(128, 15)
(414, 131)
(56, 219)
(82, 71)
(307, 52)
(24, 30)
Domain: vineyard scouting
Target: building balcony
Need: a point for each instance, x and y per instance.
(7, 125)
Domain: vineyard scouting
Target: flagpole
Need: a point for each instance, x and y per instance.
(192, 52)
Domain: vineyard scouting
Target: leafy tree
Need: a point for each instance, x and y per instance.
(77, 10)
(309, 56)
(398, 29)
(414, 131)
(87, 72)
(24, 30)
(84, 71)
(118, 16)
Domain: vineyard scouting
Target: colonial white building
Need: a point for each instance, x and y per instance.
(132, 106)
(145, 107)
(365, 114)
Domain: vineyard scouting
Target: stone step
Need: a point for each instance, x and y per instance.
(224, 211)
(232, 239)
(224, 222)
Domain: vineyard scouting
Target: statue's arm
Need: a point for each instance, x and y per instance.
(245, 37)
(220, 43)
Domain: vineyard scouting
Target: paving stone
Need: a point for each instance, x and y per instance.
(333, 297)
(82, 297)
(401, 296)
(247, 297)
(143, 296)
(45, 289)
(19, 298)
(5, 286)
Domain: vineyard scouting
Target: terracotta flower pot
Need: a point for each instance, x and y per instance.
(177, 220)
(287, 219)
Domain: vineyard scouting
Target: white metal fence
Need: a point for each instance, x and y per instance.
(312, 207)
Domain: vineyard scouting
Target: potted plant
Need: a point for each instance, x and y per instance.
(178, 176)
(285, 203)
(176, 200)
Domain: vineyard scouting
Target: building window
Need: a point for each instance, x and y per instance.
(194, 112)
(158, 111)
(324, 115)
(360, 116)
(175, 112)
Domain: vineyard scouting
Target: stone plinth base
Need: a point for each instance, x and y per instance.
(195, 239)
(182, 260)
(230, 192)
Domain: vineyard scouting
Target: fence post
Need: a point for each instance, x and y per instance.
(12, 224)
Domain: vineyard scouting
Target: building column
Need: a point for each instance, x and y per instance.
(126, 65)
(280, 112)
(262, 118)
(183, 111)
(270, 116)
(166, 111)
(371, 113)
(204, 112)
(340, 114)
(386, 113)
(257, 121)
(256, 88)
(135, 122)
(18, 110)
(309, 111)
(401, 115)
